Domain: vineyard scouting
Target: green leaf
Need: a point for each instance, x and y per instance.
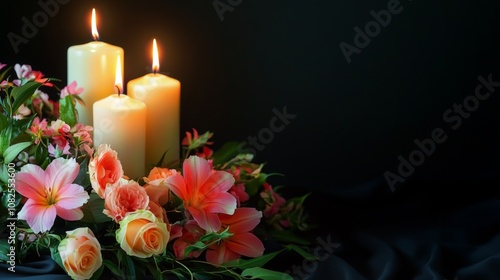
(67, 110)
(113, 267)
(255, 185)
(306, 255)
(54, 253)
(129, 267)
(228, 151)
(206, 240)
(155, 272)
(4, 122)
(22, 94)
(92, 210)
(83, 178)
(4, 250)
(4, 173)
(5, 72)
(11, 152)
(5, 137)
(264, 274)
(254, 262)
(288, 237)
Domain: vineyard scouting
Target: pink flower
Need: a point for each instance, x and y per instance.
(273, 201)
(39, 129)
(204, 192)
(238, 190)
(25, 73)
(242, 242)
(195, 141)
(123, 199)
(71, 89)
(50, 193)
(56, 152)
(2, 65)
(22, 112)
(104, 169)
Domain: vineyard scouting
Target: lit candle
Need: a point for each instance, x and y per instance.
(92, 66)
(162, 97)
(120, 121)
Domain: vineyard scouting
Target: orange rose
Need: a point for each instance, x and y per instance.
(124, 198)
(104, 169)
(80, 253)
(141, 234)
(156, 189)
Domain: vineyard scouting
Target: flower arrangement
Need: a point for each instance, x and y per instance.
(208, 215)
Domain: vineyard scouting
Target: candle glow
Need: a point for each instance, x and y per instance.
(118, 76)
(95, 34)
(156, 60)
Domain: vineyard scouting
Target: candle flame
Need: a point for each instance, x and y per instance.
(118, 76)
(156, 60)
(95, 34)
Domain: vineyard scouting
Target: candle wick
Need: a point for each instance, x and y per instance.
(118, 88)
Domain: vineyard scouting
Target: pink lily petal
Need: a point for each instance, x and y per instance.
(221, 255)
(69, 214)
(30, 181)
(61, 172)
(220, 203)
(39, 217)
(244, 219)
(245, 244)
(71, 196)
(177, 185)
(207, 221)
(219, 181)
(196, 172)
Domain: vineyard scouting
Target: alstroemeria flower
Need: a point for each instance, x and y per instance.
(71, 89)
(25, 73)
(56, 151)
(242, 242)
(50, 193)
(195, 141)
(22, 112)
(204, 192)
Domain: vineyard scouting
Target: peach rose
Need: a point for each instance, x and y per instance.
(156, 189)
(80, 253)
(104, 169)
(141, 234)
(124, 198)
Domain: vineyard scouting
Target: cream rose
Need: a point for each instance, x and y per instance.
(80, 253)
(104, 169)
(141, 234)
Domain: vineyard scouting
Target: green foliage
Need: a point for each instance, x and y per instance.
(67, 110)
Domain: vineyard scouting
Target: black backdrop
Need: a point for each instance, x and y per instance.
(242, 60)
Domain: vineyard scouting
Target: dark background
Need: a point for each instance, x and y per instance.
(352, 121)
